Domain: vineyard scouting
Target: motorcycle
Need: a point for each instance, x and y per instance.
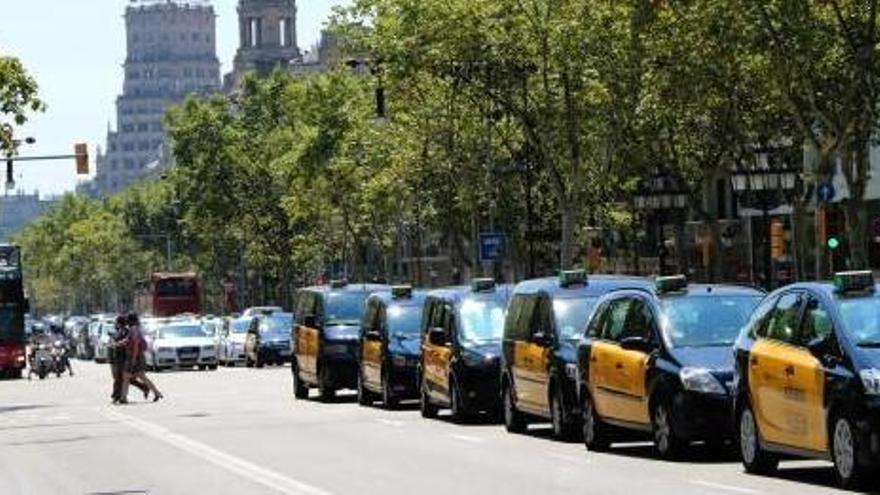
(41, 361)
(60, 358)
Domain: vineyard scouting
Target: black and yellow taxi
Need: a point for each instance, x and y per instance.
(545, 321)
(461, 348)
(325, 337)
(390, 347)
(658, 363)
(808, 377)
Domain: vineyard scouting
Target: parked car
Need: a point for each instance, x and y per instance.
(268, 340)
(181, 344)
(232, 336)
(105, 330)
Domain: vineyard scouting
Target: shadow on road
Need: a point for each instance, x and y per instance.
(120, 492)
(52, 441)
(23, 407)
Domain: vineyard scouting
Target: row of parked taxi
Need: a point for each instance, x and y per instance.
(611, 359)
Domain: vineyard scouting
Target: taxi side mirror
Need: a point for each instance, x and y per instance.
(636, 344)
(542, 339)
(310, 321)
(437, 336)
(373, 335)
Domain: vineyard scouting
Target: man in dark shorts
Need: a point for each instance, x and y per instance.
(136, 367)
(118, 358)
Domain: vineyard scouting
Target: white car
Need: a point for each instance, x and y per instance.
(101, 338)
(180, 344)
(233, 335)
(261, 310)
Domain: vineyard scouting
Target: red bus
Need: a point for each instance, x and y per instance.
(13, 307)
(169, 294)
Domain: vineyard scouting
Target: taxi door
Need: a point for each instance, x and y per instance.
(371, 345)
(630, 366)
(308, 337)
(436, 356)
(604, 381)
(527, 357)
(771, 363)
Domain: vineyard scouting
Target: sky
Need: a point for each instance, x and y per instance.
(75, 50)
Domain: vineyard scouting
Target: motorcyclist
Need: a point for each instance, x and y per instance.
(38, 338)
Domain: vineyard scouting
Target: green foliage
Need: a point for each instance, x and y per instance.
(18, 97)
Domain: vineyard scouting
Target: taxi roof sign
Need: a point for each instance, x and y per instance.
(675, 283)
(338, 284)
(401, 292)
(568, 278)
(855, 281)
(483, 284)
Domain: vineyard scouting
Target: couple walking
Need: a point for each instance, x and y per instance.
(127, 360)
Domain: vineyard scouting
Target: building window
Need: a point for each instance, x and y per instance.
(284, 38)
(127, 128)
(127, 147)
(143, 127)
(256, 32)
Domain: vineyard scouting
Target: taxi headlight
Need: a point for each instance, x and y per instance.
(700, 380)
(871, 381)
(571, 370)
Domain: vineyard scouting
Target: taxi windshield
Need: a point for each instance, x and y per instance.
(861, 318)
(344, 308)
(482, 320)
(180, 331)
(278, 324)
(706, 321)
(571, 316)
(404, 321)
(239, 326)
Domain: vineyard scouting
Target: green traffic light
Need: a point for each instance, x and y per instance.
(833, 243)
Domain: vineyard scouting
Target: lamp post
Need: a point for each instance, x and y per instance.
(661, 195)
(765, 185)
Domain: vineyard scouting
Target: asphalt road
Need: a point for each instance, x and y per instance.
(240, 431)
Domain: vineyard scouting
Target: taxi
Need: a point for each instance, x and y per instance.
(659, 363)
(324, 337)
(808, 378)
(390, 347)
(461, 345)
(545, 321)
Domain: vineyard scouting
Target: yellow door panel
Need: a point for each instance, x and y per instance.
(307, 356)
(631, 367)
(436, 359)
(521, 365)
(532, 376)
(787, 389)
(371, 357)
(600, 377)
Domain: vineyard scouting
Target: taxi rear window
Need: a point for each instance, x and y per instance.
(571, 316)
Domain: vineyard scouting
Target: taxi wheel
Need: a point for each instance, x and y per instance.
(459, 415)
(563, 429)
(428, 410)
(595, 433)
(754, 459)
(850, 473)
(667, 443)
(300, 390)
(513, 419)
(248, 363)
(388, 399)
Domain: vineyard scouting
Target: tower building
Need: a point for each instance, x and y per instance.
(267, 33)
(171, 53)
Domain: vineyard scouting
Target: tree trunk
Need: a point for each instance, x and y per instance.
(566, 247)
(856, 221)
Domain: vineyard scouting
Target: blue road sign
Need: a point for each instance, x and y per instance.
(825, 192)
(491, 246)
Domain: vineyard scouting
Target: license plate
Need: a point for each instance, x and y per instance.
(188, 356)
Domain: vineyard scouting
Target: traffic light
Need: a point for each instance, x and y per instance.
(10, 176)
(833, 243)
(81, 151)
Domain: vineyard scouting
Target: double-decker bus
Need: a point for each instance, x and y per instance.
(13, 306)
(169, 294)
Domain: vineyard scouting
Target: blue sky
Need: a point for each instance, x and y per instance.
(75, 50)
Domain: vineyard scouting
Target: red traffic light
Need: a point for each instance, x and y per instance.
(81, 150)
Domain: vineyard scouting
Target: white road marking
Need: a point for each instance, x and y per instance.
(721, 486)
(467, 438)
(269, 479)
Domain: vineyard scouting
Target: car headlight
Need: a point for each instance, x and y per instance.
(701, 380)
(164, 350)
(871, 381)
(571, 370)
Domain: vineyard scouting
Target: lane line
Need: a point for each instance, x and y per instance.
(721, 486)
(466, 438)
(260, 475)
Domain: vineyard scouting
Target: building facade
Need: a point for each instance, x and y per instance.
(171, 53)
(17, 210)
(267, 35)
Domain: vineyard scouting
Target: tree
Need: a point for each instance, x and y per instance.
(18, 97)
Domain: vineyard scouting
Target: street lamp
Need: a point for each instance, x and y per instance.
(765, 184)
(662, 195)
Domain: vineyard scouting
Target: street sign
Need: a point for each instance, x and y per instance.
(825, 192)
(491, 246)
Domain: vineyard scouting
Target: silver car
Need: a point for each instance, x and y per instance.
(102, 335)
(233, 335)
(180, 344)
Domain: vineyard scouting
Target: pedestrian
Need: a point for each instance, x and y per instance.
(136, 367)
(118, 358)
